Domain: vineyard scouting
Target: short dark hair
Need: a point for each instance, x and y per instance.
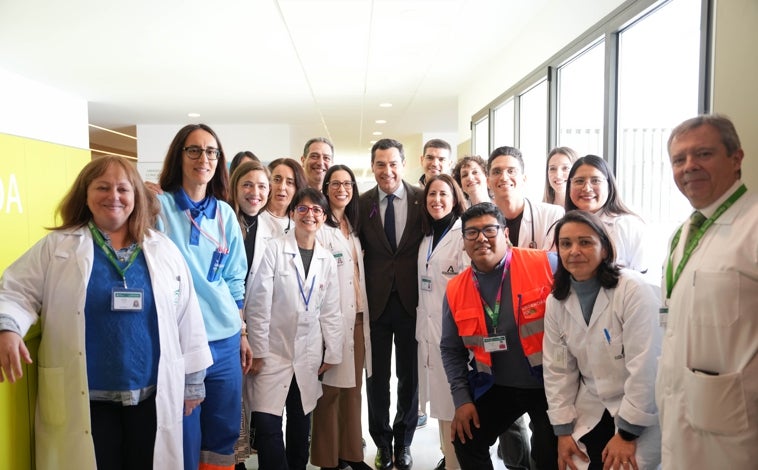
(316, 196)
(436, 144)
(506, 151)
(386, 144)
(351, 210)
(608, 272)
(458, 201)
(171, 175)
(613, 205)
(482, 209)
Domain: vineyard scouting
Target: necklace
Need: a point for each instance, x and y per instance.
(249, 221)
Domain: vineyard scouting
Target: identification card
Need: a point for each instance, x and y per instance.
(218, 260)
(495, 344)
(663, 316)
(426, 283)
(126, 300)
(339, 259)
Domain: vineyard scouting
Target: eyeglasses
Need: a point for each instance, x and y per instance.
(348, 185)
(581, 182)
(303, 209)
(194, 152)
(489, 231)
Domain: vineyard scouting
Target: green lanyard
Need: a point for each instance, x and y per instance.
(494, 314)
(109, 252)
(671, 276)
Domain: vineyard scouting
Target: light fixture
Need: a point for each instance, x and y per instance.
(372, 142)
(193, 115)
(376, 133)
(385, 105)
(380, 121)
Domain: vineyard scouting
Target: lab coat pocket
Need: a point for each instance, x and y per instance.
(715, 403)
(714, 302)
(609, 369)
(52, 395)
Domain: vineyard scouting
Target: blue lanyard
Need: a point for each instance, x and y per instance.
(431, 242)
(306, 300)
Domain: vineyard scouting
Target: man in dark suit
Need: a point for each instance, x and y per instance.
(391, 233)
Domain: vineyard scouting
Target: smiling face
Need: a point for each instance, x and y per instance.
(506, 179)
(703, 169)
(589, 189)
(558, 168)
(316, 162)
(110, 198)
(580, 250)
(485, 252)
(340, 195)
(439, 199)
(388, 169)
(198, 173)
(435, 161)
(282, 189)
(473, 179)
(252, 191)
(307, 222)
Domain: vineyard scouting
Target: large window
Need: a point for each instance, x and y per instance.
(504, 125)
(533, 137)
(580, 101)
(657, 89)
(480, 146)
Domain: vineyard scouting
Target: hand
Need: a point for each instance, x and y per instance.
(461, 425)
(246, 355)
(153, 187)
(190, 405)
(324, 367)
(12, 350)
(257, 365)
(567, 448)
(619, 454)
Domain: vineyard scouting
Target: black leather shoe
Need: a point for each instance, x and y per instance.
(383, 459)
(403, 459)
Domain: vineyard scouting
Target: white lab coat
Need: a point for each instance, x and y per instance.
(627, 231)
(49, 283)
(289, 338)
(343, 375)
(586, 374)
(537, 223)
(445, 262)
(268, 227)
(711, 421)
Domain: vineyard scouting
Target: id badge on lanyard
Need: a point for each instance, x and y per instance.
(127, 300)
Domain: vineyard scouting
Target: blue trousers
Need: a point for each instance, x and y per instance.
(270, 441)
(214, 427)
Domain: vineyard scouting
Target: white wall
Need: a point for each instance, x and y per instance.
(34, 110)
(267, 141)
(735, 69)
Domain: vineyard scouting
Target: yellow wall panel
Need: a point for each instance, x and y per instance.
(34, 176)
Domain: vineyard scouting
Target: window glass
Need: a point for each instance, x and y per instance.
(481, 138)
(658, 73)
(533, 137)
(504, 125)
(580, 101)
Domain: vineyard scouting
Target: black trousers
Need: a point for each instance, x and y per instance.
(398, 325)
(498, 409)
(124, 436)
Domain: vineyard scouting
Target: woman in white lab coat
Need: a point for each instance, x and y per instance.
(120, 323)
(287, 178)
(296, 332)
(440, 258)
(600, 351)
(337, 431)
(591, 187)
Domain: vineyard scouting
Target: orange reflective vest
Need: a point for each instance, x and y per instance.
(531, 282)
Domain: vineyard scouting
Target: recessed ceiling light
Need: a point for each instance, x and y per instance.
(385, 105)
(380, 121)
(377, 133)
(193, 115)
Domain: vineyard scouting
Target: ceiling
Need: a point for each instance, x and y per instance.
(321, 66)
